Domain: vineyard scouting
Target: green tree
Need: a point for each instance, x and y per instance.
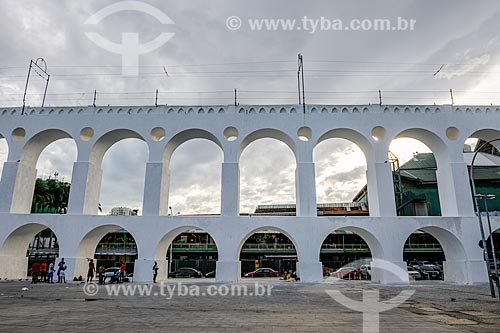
(50, 196)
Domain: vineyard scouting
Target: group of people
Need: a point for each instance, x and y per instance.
(41, 273)
(118, 276)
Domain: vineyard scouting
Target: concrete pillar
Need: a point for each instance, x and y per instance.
(228, 271)
(16, 187)
(310, 271)
(85, 189)
(75, 266)
(465, 271)
(7, 185)
(305, 189)
(155, 188)
(381, 200)
(230, 189)
(389, 272)
(14, 266)
(143, 270)
(454, 189)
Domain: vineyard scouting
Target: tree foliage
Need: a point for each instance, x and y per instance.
(50, 196)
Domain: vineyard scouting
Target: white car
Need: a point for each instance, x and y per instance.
(413, 274)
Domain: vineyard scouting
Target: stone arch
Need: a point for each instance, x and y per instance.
(453, 200)
(283, 170)
(371, 240)
(38, 142)
(200, 179)
(349, 134)
(168, 238)
(186, 135)
(487, 134)
(268, 133)
(87, 245)
(3, 152)
(430, 139)
(330, 180)
(271, 228)
(107, 140)
(26, 173)
(454, 252)
(17, 241)
(13, 259)
(161, 248)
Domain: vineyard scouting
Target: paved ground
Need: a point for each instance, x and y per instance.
(292, 307)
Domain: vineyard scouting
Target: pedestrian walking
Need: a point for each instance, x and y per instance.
(155, 271)
(90, 273)
(122, 272)
(35, 271)
(60, 269)
(51, 272)
(43, 271)
(101, 271)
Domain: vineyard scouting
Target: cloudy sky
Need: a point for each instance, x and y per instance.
(206, 59)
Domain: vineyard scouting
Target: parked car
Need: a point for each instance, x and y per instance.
(263, 272)
(185, 272)
(492, 263)
(433, 265)
(427, 270)
(347, 273)
(210, 274)
(110, 272)
(413, 273)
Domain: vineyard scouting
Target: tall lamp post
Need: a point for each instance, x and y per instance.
(485, 199)
(476, 206)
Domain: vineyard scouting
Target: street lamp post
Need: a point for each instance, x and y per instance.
(493, 250)
(476, 206)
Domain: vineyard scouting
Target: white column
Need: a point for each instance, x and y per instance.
(230, 189)
(227, 270)
(454, 189)
(143, 270)
(465, 271)
(387, 265)
(14, 266)
(310, 271)
(85, 188)
(381, 200)
(22, 197)
(153, 185)
(7, 185)
(305, 189)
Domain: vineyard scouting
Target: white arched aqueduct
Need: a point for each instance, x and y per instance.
(372, 127)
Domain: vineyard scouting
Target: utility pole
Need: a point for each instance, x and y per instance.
(379, 97)
(451, 95)
(44, 75)
(235, 97)
(95, 97)
(156, 98)
(300, 79)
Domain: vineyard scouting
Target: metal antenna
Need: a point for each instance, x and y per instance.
(380, 97)
(36, 67)
(301, 71)
(298, 79)
(451, 95)
(235, 97)
(95, 97)
(156, 99)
